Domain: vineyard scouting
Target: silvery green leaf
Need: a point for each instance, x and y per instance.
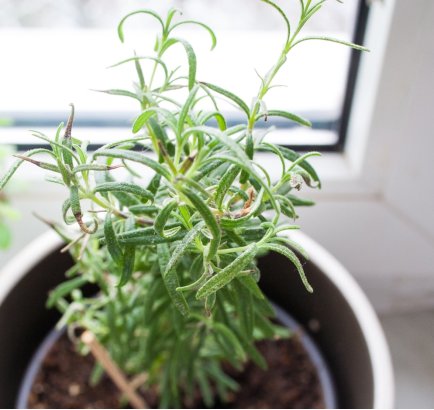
(170, 278)
(293, 258)
(135, 157)
(125, 187)
(227, 274)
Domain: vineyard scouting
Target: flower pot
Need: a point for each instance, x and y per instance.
(337, 318)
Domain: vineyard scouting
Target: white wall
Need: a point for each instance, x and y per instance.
(385, 236)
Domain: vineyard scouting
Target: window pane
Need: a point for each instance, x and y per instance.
(55, 51)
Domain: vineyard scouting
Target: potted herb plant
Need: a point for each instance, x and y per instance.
(163, 288)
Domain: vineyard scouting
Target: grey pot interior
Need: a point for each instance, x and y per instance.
(325, 315)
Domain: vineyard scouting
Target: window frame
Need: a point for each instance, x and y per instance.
(340, 125)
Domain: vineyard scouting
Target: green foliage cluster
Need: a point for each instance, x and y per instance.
(172, 247)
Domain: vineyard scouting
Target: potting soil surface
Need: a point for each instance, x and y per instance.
(291, 381)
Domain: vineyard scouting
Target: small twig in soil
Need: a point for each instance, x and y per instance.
(113, 370)
(138, 380)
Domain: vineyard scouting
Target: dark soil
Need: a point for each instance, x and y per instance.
(290, 382)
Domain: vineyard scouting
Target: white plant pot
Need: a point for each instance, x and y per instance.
(338, 317)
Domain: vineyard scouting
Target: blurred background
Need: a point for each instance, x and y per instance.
(370, 116)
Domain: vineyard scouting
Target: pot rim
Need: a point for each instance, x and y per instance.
(23, 261)
(376, 342)
(378, 348)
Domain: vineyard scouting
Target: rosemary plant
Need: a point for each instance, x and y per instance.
(172, 246)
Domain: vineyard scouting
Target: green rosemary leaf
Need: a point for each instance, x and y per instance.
(284, 17)
(124, 199)
(293, 258)
(139, 72)
(160, 133)
(294, 245)
(196, 186)
(264, 326)
(40, 164)
(192, 63)
(74, 204)
(250, 149)
(135, 157)
(333, 40)
(63, 147)
(209, 219)
(207, 28)
(170, 15)
(111, 241)
(125, 187)
(142, 119)
(308, 13)
(65, 208)
(302, 159)
(296, 201)
(143, 209)
(221, 122)
(287, 206)
(93, 167)
(191, 57)
(252, 352)
(118, 92)
(230, 340)
(128, 264)
(292, 156)
(163, 216)
(57, 139)
(225, 183)
(141, 232)
(144, 11)
(287, 115)
(288, 211)
(181, 248)
(208, 168)
(237, 100)
(66, 140)
(145, 116)
(195, 285)
(11, 171)
(239, 157)
(209, 303)
(171, 279)
(96, 375)
(253, 233)
(229, 223)
(220, 376)
(66, 175)
(65, 289)
(136, 59)
(154, 184)
(244, 303)
(252, 286)
(204, 386)
(75, 201)
(185, 109)
(275, 150)
(227, 274)
(149, 239)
